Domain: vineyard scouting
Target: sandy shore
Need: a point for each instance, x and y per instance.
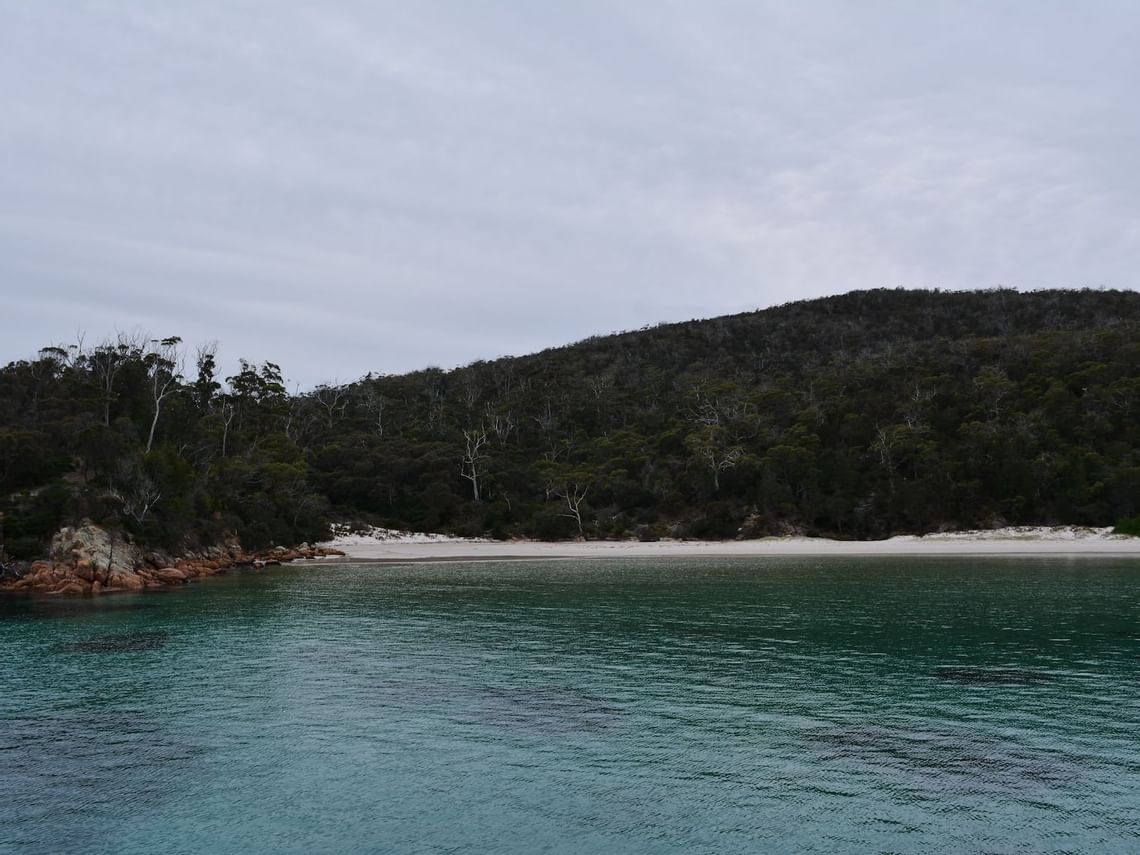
(1064, 541)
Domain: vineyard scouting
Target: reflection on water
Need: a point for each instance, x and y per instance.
(642, 706)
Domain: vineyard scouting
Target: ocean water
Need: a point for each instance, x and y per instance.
(778, 705)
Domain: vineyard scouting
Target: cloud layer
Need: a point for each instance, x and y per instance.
(360, 186)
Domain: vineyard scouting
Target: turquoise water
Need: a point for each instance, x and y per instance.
(815, 705)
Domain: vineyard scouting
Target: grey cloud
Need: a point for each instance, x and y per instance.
(357, 186)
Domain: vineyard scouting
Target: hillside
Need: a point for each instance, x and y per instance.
(856, 416)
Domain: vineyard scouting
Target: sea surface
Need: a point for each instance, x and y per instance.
(640, 706)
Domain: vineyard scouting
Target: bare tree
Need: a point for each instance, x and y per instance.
(574, 493)
(333, 399)
(469, 391)
(718, 454)
(717, 404)
(164, 366)
(473, 456)
(884, 443)
(548, 422)
(915, 406)
(136, 491)
(376, 403)
(503, 376)
(547, 418)
(436, 395)
(228, 412)
(303, 419)
(502, 424)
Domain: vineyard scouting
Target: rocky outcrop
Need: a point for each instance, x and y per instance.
(91, 560)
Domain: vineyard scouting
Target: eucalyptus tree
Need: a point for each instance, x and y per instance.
(164, 366)
(473, 455)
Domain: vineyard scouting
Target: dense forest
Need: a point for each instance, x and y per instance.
(857, 416)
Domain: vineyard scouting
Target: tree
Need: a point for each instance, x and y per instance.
(569, 483)
(882, 412)
(375, 403)
(164, 373)
(107, 360)
(259, 397)
(474, 441)
(137, 491)
(333, 400)
(710, 444)
(574, 494)
(206, 387)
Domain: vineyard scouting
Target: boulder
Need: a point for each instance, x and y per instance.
(72, 586)
(171, 576)
(126, 580)
(96, 545)
(88, 559)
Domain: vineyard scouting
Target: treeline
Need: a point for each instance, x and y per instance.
(857, 416)
(129, 435)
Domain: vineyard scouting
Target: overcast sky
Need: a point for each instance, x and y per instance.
(347, 186)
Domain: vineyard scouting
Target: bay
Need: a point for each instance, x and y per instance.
(748, 705)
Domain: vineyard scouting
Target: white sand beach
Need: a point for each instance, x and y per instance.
(392, 546)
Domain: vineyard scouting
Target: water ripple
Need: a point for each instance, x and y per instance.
(712, 706)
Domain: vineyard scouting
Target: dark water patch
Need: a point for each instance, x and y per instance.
(124, 642)
(66, 778)
(946, 759)
(974, 676)
(535, 709)
(37, 607)
(546, 710)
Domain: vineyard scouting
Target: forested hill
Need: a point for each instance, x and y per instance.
(859, 416)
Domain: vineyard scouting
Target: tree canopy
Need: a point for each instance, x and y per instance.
(858, 416)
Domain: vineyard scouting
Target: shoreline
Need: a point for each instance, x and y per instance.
(1058, 542)
(91, 561)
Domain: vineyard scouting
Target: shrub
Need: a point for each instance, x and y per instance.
(1130, 525)
(550, 526)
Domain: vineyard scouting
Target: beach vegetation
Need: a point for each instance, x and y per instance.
(1130, 526)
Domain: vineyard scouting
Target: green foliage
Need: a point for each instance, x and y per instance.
(1130, 526)
(116, 435)
(718, 521)
(857, 416)
(31, 518)
(549, 525)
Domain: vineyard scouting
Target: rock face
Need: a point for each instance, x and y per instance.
(91, 560)
(93, 548)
